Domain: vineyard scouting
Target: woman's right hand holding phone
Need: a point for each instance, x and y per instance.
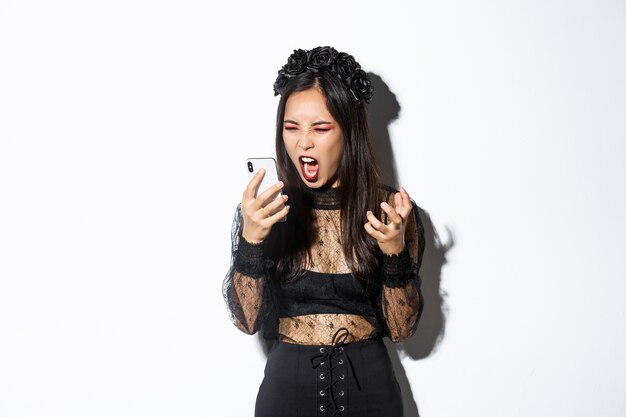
(261, 212)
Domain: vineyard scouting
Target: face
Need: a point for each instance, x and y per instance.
(313, 139)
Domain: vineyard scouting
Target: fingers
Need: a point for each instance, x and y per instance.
(379, 236)
(278, 216)
(250, 197)
(390, 237)
(253, 186)
(274, 207)
(392, 213)
(406, 203)
(373, 221)
(397, 216)
(399, 212)
(375, 228)
(397, 198)
(390, 240)
(258, 222)
(268, 195)
(275, 211)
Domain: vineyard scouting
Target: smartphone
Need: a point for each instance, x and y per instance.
(271, 173)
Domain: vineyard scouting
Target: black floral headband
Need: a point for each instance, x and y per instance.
(326, 58)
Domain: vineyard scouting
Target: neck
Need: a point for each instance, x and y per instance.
(325, 198)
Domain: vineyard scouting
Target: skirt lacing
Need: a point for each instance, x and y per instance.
(331, 362)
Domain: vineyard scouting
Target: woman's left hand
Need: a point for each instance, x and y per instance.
(390, 237)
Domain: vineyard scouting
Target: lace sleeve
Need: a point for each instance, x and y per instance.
(401, 301)
(246, 286)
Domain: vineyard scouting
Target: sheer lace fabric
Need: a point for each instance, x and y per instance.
(248, 297)
(402, 304)
(327, 253)
(244, 288)
(319, 329)
(251, 294)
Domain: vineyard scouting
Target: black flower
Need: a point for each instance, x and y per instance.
(296, 63)
(344, 65)
(327, 59)
(321, 57)
(362, 86)
(281, 82)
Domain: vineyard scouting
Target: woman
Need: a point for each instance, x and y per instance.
(334, 271)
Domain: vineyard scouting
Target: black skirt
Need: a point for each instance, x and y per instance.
(351, 380)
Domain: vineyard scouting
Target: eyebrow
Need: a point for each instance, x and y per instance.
(322, 122)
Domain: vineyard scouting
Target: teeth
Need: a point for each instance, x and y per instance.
(307, 160)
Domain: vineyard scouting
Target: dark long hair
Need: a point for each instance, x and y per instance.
(359, 180)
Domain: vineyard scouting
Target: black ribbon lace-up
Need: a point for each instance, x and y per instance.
(334, 357)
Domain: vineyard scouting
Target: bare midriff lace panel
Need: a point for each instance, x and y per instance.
(319, 329)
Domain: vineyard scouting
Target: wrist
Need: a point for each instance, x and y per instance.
(396, 270)
(252, 240)
(393, 249)
(251, 258)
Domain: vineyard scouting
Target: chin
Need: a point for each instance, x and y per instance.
(317, 184)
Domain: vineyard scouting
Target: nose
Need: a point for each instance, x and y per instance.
(305, 142)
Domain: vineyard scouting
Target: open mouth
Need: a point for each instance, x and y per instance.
(309, 167)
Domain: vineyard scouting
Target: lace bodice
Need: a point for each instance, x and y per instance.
(310, 309)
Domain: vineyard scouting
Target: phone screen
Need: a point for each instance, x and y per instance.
(271, 173)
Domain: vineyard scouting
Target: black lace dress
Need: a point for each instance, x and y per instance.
(329, 358)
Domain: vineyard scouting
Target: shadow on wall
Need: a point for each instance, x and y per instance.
(383, 110)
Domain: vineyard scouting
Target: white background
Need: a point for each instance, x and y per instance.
(124, 126)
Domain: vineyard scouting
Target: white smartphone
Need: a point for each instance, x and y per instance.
(271, 173)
